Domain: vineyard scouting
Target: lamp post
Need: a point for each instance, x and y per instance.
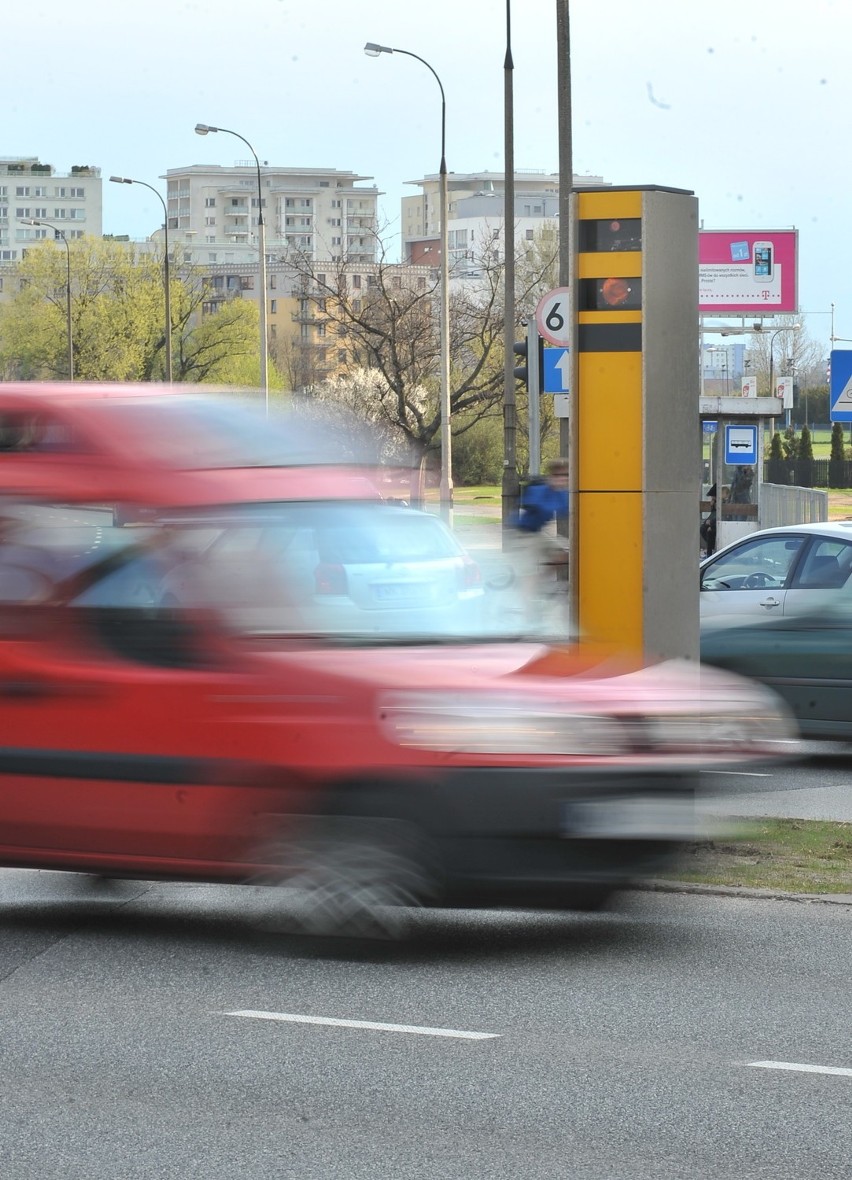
(166, 283)
(205, 129)
(60, 233)
(373, 50)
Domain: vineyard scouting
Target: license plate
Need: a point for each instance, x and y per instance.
(402, 591)
(631, 818)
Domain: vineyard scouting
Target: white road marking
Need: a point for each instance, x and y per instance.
(743, 773)
(375, 1025)
(835, 1069)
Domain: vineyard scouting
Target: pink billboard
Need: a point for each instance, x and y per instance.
(747, 272)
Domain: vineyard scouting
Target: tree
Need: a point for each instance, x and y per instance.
(117, 320)
(837, 458)
(385, 323)
(792, 352)
(805, 460)
(777, 467)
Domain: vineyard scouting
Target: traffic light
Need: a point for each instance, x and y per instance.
(530, 349)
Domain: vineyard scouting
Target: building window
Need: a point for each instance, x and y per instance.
(336, 204)
(321, 329)
(209, 220)
(530, 235)
(79, 193)
(61, 192)
(356, 280)
(40, 213)
(22, 191)
(336, 241)
(39, 191)
(77, 214)
(22, 212)
(211, 257)
(273, 306)
(60, 213)
(209, 202)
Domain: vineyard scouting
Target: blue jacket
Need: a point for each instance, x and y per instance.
(540, 503)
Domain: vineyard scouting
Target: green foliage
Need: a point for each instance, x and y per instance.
(836, 463)
(118, 322)
(805, 460)
(777, 467)
(478, 452)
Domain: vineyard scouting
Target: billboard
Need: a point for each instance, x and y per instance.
(747, 272)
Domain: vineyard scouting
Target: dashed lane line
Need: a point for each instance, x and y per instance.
(371, 1025)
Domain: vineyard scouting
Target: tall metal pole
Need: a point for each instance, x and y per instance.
(373, 49)
(511, 487)
(203, 129)
(568, 427)
(68, 327)
(167, 291)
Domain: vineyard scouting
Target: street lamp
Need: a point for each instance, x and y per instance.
(205, 129)
(60, 233)
(166, 284)
(373, 50)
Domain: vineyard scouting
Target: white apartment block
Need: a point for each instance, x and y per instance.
(29, 190)
(475, 210)
(321, 213)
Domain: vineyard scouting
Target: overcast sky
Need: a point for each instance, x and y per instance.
(745, 102)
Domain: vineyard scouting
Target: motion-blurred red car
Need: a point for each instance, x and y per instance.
(367, 748)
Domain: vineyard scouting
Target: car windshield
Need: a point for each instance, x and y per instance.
(334, 571)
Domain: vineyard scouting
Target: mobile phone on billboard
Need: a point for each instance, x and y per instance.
(764, 262)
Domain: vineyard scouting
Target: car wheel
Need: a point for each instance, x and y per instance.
(347, 876)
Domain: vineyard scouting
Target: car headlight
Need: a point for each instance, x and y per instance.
(462, 724)
(716, 732)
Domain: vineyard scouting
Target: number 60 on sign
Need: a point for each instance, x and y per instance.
(553, 316)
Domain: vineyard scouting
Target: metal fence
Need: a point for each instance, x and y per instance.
(818, 472)
(782, 505)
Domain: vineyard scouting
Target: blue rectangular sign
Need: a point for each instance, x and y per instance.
(741, 444)
(840, 396)
(709, 427)
(556, 371)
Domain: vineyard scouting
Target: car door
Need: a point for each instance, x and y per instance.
(750, 579)
(115, 724)
(822, 579)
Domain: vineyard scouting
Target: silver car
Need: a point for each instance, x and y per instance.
(791, 570)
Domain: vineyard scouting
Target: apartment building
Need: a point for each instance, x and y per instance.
(307, 345)
(323, 213)
(30, 190)
(475, 202)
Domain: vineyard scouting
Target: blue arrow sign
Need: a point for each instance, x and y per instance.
(741, 444)
(556, 377)
(840, 397)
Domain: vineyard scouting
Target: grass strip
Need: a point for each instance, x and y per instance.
(793, 855)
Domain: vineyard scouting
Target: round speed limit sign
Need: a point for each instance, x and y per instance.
(553, 316)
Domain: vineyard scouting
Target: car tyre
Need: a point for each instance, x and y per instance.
(348, 876)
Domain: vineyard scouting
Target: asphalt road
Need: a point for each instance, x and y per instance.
(618, 1046)
(819, 786)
